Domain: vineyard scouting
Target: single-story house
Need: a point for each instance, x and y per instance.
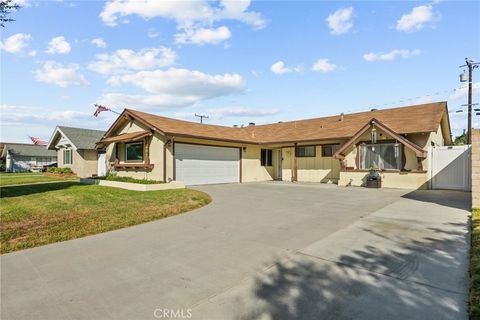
(335, 149)
(75, 149)
(21, 157)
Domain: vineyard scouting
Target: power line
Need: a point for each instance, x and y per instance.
(406, 100)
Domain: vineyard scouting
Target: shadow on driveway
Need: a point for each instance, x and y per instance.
(369, 284)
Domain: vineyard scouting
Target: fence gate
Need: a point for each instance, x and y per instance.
(451, 168)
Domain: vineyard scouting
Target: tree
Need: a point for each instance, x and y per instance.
(6, 7)
(461, 139)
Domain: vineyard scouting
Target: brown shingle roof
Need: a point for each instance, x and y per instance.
(412, 119)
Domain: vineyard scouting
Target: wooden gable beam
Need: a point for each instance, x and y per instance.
(419, 152)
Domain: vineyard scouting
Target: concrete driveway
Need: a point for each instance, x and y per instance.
(260, 251)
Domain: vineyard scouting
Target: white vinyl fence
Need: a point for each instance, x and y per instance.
(451, 168)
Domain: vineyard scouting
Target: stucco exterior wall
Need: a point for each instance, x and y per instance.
(155, 153)
(309, 169)
(84, 162)
(408, 179)
(402, 180)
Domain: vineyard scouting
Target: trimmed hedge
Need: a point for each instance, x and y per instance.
(132, 180)
(60, 170)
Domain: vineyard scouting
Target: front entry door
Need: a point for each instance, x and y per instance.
(279, 164)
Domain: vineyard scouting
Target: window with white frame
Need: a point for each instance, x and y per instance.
(67, 156)
(383, 156)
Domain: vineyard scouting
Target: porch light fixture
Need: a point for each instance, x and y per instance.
(373, 135)
(244, 149)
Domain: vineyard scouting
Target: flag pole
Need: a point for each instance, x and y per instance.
(99, 105)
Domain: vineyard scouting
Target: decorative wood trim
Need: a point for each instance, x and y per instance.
(418, 151)
(339, 154)
(119, 165)
(419, 164)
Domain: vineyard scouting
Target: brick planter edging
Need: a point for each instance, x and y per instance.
(135, 186)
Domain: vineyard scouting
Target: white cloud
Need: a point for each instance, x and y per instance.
(32, 53)
(323, 65)
(152, 33)
(185, 13)
(173, 88)
(184, 82)
(416, 19)
(15, 115)
(126, 60)
(58, 45)
(99, 43)
(279, 68)
(152, 102)
(392, 55)
(15, 43)
(201, 36)
(340, 21)
(59, 74)
(461, 94)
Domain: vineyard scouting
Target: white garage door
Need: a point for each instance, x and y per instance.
(196, 164)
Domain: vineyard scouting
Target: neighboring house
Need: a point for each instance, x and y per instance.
(76, 150)
(21, 157)
(335, 149)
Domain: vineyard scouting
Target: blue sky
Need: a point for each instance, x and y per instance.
(236, 61)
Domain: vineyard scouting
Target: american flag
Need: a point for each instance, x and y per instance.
(38, 141)
(100, 109)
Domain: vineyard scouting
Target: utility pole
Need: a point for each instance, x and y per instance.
(201, 117)
(471, 65)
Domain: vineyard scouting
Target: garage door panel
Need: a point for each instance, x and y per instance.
(206, 165)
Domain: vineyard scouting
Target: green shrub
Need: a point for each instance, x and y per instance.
(60, 170)
(131, 180)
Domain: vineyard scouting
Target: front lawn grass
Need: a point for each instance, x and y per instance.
(475, 266)
(35, 215)
(7, 179)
